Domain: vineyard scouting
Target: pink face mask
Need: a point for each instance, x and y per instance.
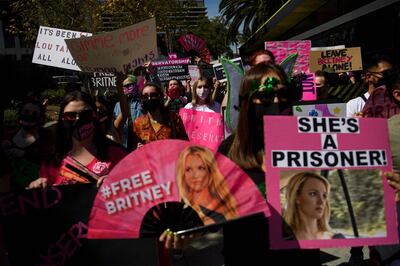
(131, 90)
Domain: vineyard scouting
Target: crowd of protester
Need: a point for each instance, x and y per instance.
(94, 135)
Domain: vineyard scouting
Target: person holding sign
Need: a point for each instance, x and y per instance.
(158, 122)
(202, 97)
(202, 186)
(308, 209)
(126, 114)
(83, 153)
(373, 79)
(265, 90)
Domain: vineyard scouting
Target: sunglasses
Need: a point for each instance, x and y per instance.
(85, 115)
(151, 95)
(269, 96)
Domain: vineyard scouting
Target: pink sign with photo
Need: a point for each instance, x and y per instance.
(144, 193)
(348, 199)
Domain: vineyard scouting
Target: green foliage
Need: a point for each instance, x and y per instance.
(214, 32)
(87, 15)
(366, 192)
(247, 14)
(10, 118)
(54, 97)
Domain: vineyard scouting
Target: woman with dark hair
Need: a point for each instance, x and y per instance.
(25, 147)
(265, 90)
(175, 95)
(83, 153)
(262, 56)
(158, 122)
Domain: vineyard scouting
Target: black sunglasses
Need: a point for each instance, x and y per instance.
(150, 95)
(269, 96)
(85, 115)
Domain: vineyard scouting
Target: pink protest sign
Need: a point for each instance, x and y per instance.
(203, 128)
(309, 89)
(328, 171)
(282, 49)
(133, 200)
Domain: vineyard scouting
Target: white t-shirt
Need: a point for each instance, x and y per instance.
(214, 107)
(356, 105)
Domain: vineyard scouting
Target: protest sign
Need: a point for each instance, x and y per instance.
(283, 49)
(131, 202)
(319, 109)
(100, 80)
(120, 50)
(380, 104)
(203, 128)
(51, 49)
(49, 227)
(309, 88)
(351, 154)
(339, 60)
(219, 72)
(172, 68)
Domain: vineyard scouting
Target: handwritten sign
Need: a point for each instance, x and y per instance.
(309, 88)
(51, 49)
(282, 49)
(339, 60)
(204, 128)
(120, 50)
(100, 80)
(356, 149)
(380, 104)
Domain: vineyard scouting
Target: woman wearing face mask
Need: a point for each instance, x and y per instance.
(83, 153)
(265, 90)
(105, 119)
(202, 97)
(26, 147)
(175, 95)
(128, 108)
(158, 122)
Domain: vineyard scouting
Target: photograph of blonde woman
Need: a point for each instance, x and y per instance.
(203, 187)
(308, 208)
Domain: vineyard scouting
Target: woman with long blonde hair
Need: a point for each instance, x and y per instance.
(203, 187)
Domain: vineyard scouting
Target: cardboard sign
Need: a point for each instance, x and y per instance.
(51, 49)
(219, 69)
(131, 201)
(339, 60)
(172, 68)
(203, 128)
(282, 49)
(320, 109)
(351, 153)
(120, 50)
(380, 104)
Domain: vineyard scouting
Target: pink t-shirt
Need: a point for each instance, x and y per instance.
(64, 175)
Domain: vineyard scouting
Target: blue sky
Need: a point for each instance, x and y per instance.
(212, 7)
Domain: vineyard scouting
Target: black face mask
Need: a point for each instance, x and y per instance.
(380, 82)
(28, 121)
(151, 105)
(80, 129)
